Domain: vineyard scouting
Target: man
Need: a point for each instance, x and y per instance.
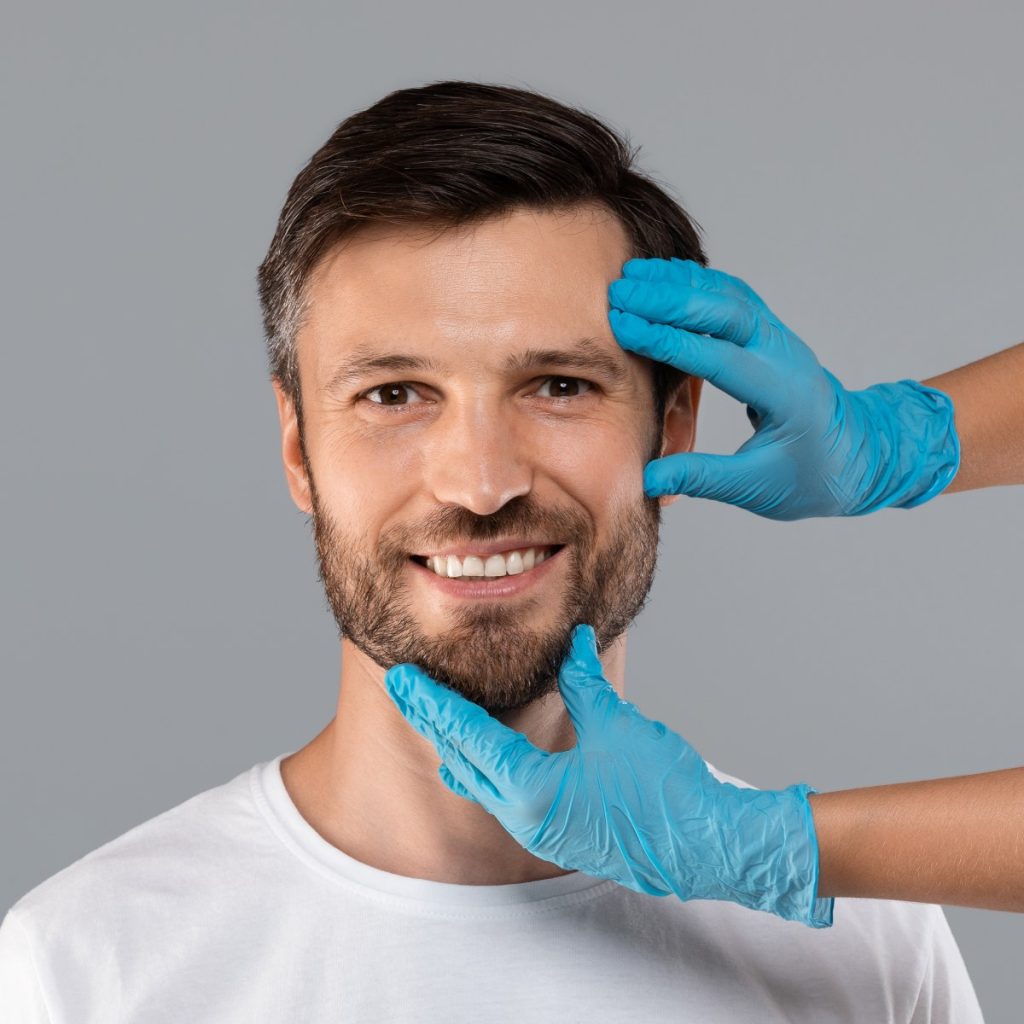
(453, 405)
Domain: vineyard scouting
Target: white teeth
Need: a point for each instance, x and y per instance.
(471, 565)
(511, 563)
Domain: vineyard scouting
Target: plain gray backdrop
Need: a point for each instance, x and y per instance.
(860, 165)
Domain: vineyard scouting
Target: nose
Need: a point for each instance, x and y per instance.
(476, 457)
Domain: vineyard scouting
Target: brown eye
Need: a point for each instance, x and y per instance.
(391, 394)
(560, 391)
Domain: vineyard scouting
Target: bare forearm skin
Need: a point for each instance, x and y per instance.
(988, 411)
(957, 841)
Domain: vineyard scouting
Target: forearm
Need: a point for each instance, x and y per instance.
(988, 404)
(957, 841)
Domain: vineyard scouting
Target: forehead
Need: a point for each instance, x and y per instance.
(525, 277)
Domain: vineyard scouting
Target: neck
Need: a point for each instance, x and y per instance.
(368, 784)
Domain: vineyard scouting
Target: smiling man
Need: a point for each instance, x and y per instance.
(492, 379)
(469, 439)
(472, 499)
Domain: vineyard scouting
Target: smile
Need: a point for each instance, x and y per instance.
(500, 576)
(505, 563)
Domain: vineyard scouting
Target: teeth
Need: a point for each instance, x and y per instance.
(510, 563)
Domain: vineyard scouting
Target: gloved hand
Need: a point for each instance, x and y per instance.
(818, 449)
(632, 801)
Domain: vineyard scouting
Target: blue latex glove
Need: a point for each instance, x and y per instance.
(818, 449)
(632, 801)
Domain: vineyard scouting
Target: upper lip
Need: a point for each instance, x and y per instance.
(483, 549)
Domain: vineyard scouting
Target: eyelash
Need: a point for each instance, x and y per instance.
(401, 408)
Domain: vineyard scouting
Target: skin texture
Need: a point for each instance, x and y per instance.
(957, 841)
(473, 453)
(988, 403)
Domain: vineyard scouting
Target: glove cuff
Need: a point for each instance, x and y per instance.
(944, 462)
(802, 902)
(779, 871)
(918, 450)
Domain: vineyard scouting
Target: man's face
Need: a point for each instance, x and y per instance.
(494, 440)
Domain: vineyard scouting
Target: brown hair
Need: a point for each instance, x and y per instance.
(452, 153)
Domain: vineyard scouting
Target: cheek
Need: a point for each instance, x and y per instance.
(359, 476)
(602, 464)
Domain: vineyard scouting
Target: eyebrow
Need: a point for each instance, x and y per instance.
(586, 354)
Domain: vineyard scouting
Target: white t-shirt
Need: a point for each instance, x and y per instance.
(231, 907)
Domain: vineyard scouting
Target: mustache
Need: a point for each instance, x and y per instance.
(454, 525)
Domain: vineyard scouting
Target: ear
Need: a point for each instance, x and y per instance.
(291, 450)
(679, 430)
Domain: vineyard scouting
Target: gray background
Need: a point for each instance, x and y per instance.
(163, 628)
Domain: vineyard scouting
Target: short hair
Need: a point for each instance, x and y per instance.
(452, 153)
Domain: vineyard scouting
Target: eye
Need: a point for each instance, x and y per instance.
(561, 380)
(389, 392)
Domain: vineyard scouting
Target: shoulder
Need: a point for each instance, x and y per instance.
(173, 849)
(99, 930)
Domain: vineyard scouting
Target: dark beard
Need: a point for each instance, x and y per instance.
(486, 654)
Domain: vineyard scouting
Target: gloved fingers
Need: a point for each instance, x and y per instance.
(447, 719)
(724, 365)
(688, 273)
(736, 479)
(730, 317)
(472, 781)
(481, 788)
(453, 783)
(581, 679)
(691, 273)
(583, 664)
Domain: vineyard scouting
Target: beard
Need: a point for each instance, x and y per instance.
(488, 654)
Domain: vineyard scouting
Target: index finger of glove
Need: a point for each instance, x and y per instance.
(684, 294)
(736, 372)
(447, 719)
(693, 275)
